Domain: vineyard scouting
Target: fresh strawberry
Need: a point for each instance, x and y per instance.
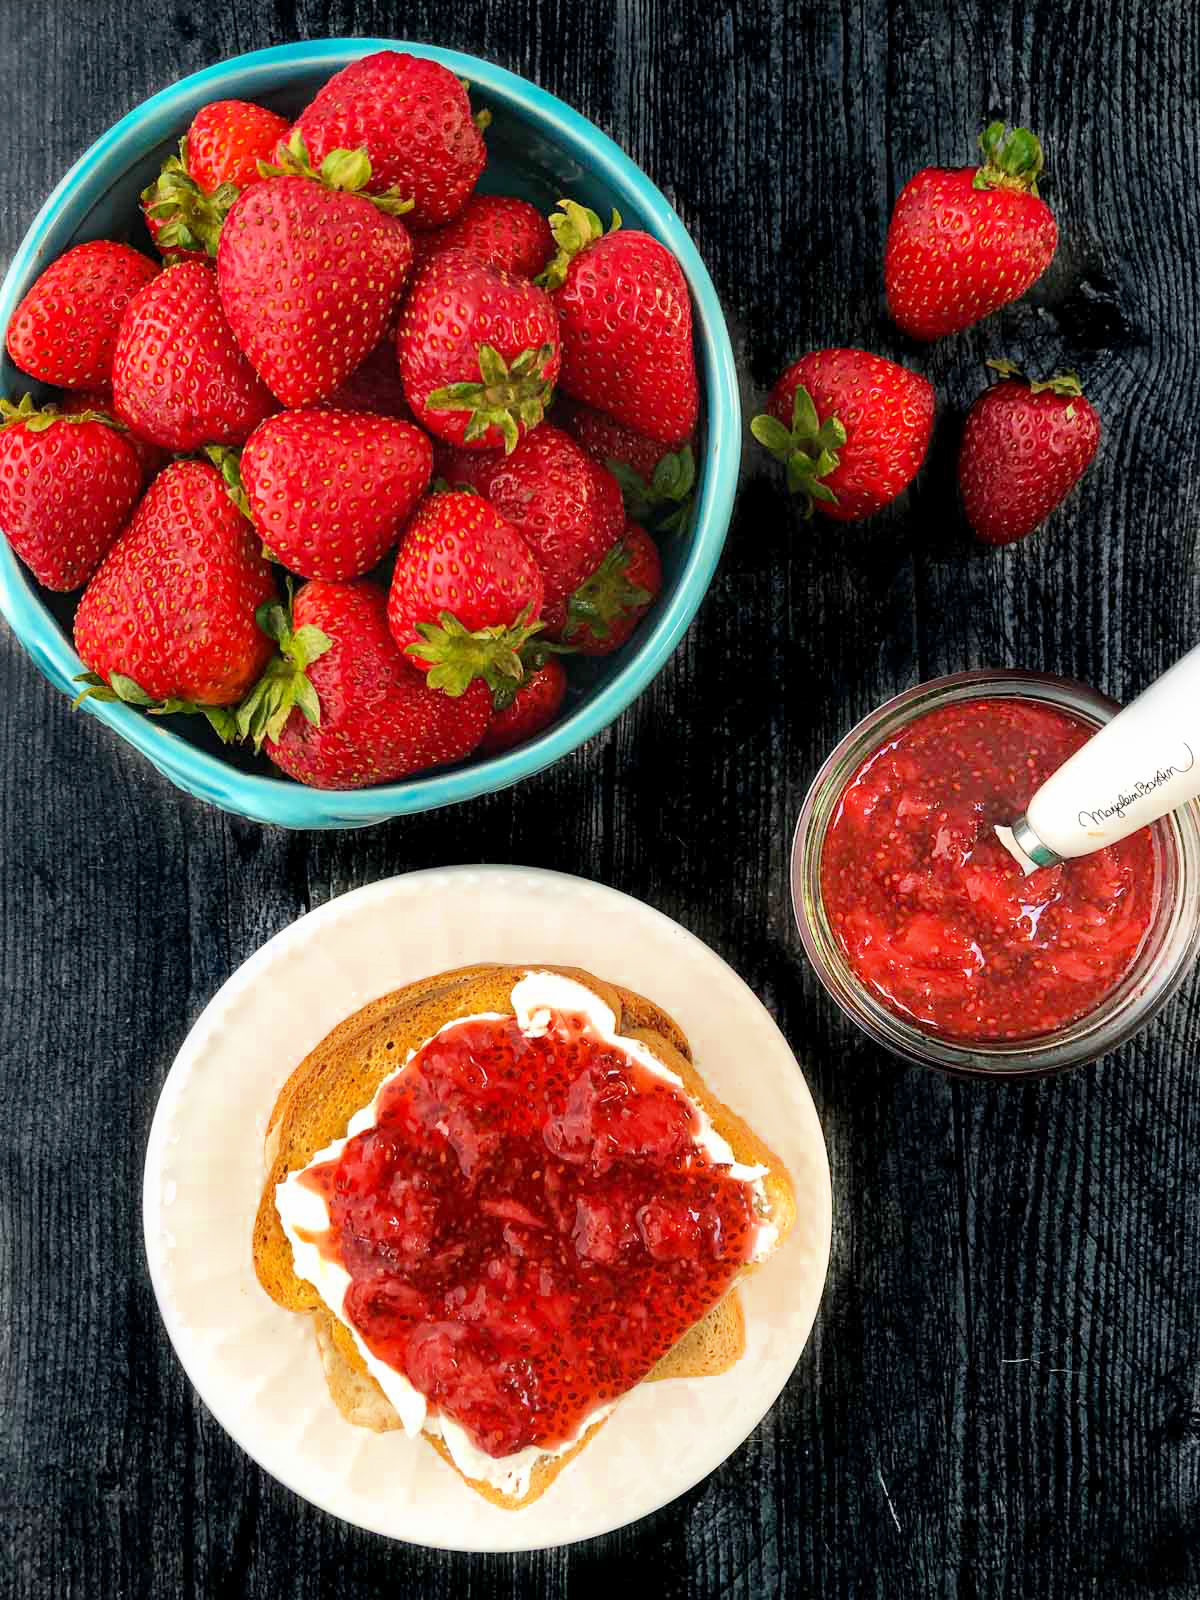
(478, 351)
(310, 269)
(218, 156)
(605, 609)
(65, 328)
(67, 487)
(566, 507)
(340, 706)
(77, 401)
(329, 491)
(657, 484)
(179, 378)
(964, 241)
(1025, 447)
(466, 591)
(168, 620)
(535, 703)
(413, 119)
(626, 324)
(497, 229)
(851, 428)
(373, 386)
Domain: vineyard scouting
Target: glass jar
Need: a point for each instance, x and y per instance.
(1167, 953)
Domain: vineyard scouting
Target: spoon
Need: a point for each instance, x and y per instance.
(1132, 771)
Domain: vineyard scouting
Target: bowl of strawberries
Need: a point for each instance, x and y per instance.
(369, 431)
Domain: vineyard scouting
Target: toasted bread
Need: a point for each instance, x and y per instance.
(342, 1075)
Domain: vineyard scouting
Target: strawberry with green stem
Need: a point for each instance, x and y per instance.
(309, 268)
(851, 428)
(658, 484)
(965, 241)
(1025, 446)
(68, 483)
(605, 609)
(479, 352)
(532, 706)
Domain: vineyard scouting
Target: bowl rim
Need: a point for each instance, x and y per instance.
(277, 799)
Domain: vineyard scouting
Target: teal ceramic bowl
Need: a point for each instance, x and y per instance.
(539, 148)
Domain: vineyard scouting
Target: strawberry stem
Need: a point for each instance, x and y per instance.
(192, 218)
(456, 657)
(345, 171)
(808, 449)
(664, 505)
(285, 684)
(228, 461)
(1063, 383)
(605, 597)
(1011, 160)
(574, 227)
(38, 419)
(510, 395)
(118, 687)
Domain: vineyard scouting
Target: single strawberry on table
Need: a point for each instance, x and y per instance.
(413, 118)
(64, 330)
(68, 483)
(607, 607)
(566, 506)
(1025, 447)
(626, 324)
(498, 229)
(179, 378)
(851, 428)
(330, 491)
(533, 705)
(478, 350)
(309, 268)
(218, 156)
(168, 619)
(964, 241)
(466, 592)
(340, 706)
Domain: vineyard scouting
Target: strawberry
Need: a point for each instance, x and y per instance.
(168, 620)
(309, 271)
(604, 610)
(65, 329)
(626, 324)
(329, 491)
(657, 484)
(535, 704)
(466, 591)
(566, 507)
(373, 386)
(341, 707)
(457, 468)
(498, 229)
(76, 401)
(478, 351)
(964, 241)
(179, 378)
(1025, 447)
(413, 119)
(218, 156)
(67, 486)
(851, 428)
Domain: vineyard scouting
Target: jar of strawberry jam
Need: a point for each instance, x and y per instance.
(924, 929)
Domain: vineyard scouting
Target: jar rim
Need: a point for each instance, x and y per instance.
(1163, 961)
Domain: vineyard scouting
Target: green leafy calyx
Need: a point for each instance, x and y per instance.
(285, 685)
(1011, 160)
(574, 227)
(457, 657)
(664, 505)
(605, 597)
(37, 419)
(346, 171)
(808, 450)
(185, 216)
(117, 687)
(1065, 384)
(228, 462)
(508, 397)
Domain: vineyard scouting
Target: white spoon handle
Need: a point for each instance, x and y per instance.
(1138, 767)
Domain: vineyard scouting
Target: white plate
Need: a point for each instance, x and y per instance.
(256, 1366)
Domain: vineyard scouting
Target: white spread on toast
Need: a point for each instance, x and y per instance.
(536, 998)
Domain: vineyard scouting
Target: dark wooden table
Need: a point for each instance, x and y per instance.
(1002, 1393)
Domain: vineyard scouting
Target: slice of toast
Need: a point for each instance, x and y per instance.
(342, 1075)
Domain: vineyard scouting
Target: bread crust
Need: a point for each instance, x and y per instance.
(342, 1075)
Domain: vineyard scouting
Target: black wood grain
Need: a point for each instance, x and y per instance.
(1002, 1393)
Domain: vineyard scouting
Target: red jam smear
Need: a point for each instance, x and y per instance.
(529, 1226)
(933, 914)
